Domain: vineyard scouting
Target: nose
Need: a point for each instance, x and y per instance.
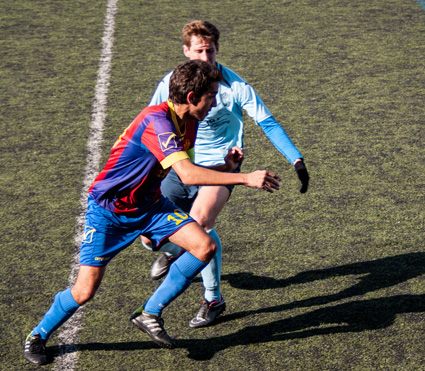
(204, 57)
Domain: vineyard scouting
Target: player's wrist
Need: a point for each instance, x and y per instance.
(244, 179)
(298, 164)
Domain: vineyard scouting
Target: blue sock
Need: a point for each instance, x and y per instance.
(63, 307)
(181, 273)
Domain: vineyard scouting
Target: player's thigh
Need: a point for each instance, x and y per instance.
(208, 204)
(194, 239)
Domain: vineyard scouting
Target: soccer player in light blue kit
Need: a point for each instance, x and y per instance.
(222, 130)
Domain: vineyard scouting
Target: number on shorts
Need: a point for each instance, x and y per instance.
(177, 217)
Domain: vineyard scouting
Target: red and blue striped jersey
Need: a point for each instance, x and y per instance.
(141, 158)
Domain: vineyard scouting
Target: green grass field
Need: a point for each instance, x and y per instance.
(329, 280)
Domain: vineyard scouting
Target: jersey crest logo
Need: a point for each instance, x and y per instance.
(225, 99)
(167, 141)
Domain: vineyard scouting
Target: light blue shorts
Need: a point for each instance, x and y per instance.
(107, 233)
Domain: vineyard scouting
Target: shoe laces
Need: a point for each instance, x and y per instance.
(205, 306)
(36, 345)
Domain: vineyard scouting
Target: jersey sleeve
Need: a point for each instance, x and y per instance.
(161, 93)
(161, 139)
(251, 102)
(280, 139)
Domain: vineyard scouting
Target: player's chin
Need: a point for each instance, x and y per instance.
(201, 115)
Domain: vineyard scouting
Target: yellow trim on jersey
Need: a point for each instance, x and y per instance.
(173, 158)
(175, 119)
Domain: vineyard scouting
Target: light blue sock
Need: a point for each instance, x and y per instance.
(63, 307)
(211, 274)
(181, 273)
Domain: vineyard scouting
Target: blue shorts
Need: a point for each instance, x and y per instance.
(181, 194)
(107, 233)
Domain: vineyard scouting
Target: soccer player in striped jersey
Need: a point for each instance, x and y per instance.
(125, 202)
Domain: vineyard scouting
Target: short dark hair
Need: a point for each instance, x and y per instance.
(196, 76)
(202, 29)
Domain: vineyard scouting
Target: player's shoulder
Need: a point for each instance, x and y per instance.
(229, 76)
(163, 83)
(166, 79)
(157, 120)
(156, 111)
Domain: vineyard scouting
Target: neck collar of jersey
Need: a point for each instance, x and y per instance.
(181, 130)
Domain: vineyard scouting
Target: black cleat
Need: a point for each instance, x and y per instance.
(161, 265)
(35, 350)
(208, 313)
(154, 327)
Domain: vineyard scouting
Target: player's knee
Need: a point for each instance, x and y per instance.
(208, 249)
(83, 295)
(205, 220)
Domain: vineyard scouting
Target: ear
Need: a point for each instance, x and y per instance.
(190, 98)
(186, 51)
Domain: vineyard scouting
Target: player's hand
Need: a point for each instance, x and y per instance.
(263, 179)
(302, 173)
(234, 158)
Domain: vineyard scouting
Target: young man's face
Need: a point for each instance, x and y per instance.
(207, 101)
(201, 49)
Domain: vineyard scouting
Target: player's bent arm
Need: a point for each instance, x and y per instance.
(191, 174)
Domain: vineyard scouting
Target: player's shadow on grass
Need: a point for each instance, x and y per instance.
(355, 316)
(373, 275)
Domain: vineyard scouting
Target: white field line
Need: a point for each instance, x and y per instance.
(69, 332)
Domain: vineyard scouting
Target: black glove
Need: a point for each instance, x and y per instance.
(302, 175)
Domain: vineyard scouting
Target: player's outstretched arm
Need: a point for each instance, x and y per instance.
(191, 174)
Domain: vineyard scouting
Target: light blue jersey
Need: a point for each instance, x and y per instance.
(223, 128)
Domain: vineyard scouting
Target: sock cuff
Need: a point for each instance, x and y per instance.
(67, 301)
(189, 265)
